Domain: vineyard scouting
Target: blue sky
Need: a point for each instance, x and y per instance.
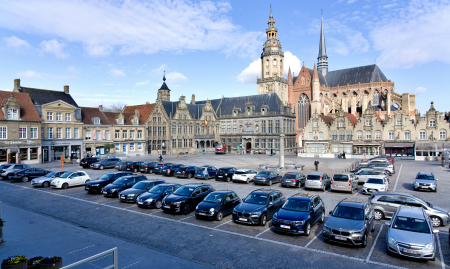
(116, 51)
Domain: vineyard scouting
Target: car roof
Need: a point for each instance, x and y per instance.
(168, 184)
(316, 174)
(223, 191)
(425, 173)
(292, 173)
(118, 172)
(411, 212)
(226, 167)
(303, 196)
(344, 173)
(243, 170)
(353, 202)
(393, 193)
(196, 184)
(265, 190)
(149, 181)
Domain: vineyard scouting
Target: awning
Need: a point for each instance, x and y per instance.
(398, 145)
(432, 146)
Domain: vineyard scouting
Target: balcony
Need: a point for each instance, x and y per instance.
(205, 136)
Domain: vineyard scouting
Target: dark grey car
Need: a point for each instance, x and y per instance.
(130, 195)
(106, 163)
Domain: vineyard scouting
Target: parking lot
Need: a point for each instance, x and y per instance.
(226, 244)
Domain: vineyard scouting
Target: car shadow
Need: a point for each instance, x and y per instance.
(408, 186)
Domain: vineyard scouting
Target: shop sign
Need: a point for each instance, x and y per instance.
(13, 142)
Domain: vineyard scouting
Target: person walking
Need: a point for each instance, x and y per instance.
(343, 155)
(160, 158)
(316, 164)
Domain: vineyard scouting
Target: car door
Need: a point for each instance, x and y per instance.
(313, 211)
(196, 197)
(83, 177)
(227, 204)
(390, 203)
(271, 207)
(37, 173)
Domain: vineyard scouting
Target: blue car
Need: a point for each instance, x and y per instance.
(153, 198)
(159, 167)
(205, 172)
(299, 213)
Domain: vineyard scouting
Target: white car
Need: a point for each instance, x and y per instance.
(244, 175)
(375, 185)
(70, 179)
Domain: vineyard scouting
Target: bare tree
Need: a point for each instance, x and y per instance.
(114, 107)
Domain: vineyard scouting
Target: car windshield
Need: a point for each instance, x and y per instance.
(313, 177)
(291, 176)
(158, 189)
(52, 174)
(240, 172)
(411, 224)
(66, 175)
(425, 177)
(296, 205)
(184, 191)
(105, 177)
(257, 198)
(348, 212)
(140, 185)
(263, 173)
(340, 178)
(5, 166)
(375, 181)
(214, 198)
(223, 170)
(200, 169)
(120, 181)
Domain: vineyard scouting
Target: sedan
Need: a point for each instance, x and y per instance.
(96, 186)
(153, 198)
(293, 180)
(26, 174)
(186, 198)
(244, 175)
(147, 167)
(70, 179)
(375, 185)
(121, 184)
(170, 169)
(45, 180)
(217, 205)
(139, 188)
(122, 166)
(266, 178)
(158, 168)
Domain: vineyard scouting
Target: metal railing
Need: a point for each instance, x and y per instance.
(115, 264)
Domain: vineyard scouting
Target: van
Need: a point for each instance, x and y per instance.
(344, 182)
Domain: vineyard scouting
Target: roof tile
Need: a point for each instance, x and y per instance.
(27, 110)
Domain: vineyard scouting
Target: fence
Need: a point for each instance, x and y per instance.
(352, 167)
(115, 264)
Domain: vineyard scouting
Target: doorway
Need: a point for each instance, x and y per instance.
(248, 147)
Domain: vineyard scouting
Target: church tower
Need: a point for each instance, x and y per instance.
(315, 104)
(322, 59)
(164, 91)
(272, 60)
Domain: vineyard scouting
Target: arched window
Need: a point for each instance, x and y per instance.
(304, 111)
(376, 98)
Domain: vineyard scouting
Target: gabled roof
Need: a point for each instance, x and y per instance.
(378, 116)
(326, 119)
(27, 110)
(40, 97)
(127, 118)
(355, 75)
(322, 79)
(351, 118)
(87, 113)
(144, 110)
(164, 86)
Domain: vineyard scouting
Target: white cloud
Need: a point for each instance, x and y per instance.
(143, 83)
(133, 26)
(73, 70)
(390, 5)
(249, 74)
(419, 90)
(159, 70)
(29, 74)
(116, 73)
(15, 42)
(54, 47)
(415, 34)
(351, 1)
(175, 77)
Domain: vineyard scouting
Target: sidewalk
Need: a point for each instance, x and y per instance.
(30, 234)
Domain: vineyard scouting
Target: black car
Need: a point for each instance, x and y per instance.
(225, 173)
(115, 188)
(86, 162)
(258, 207)
(170, 170)
(186, 171)
(26, 175)
(147, 167)
(293, 179)
(266, 178)
(158, 168)
(97, 185)
(186, 198)
(153, 198)
(217, 205)
(106, 163)
(134, 167)
(122, 166)
(139, 188)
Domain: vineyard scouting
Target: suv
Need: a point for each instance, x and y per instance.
(319, 181)
(425, 181)
(130, 195)
(385, 205)
(96, 186)
(293, 179)
(134, 167)
(258, 207)
(350, 223)
(170, 169)
(363, 175)
(411, 234)
(205, 172)
(106, 163)
(186, 198)
(86, 162)
(388, 167)
(11, 168)
(147, 167)
(244, 175)
(122, 166)
(186, 171)
(299, 213)
(217, 205)
(122, 183)
(225, 173)
(344, 182)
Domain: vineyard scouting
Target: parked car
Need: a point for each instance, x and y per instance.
(319, 181)
(205, 172)
(258, 207)
(364, 175)
(344, 182)
(378, 160)
(225, 173)
(11, 168)
(27, 174)
(411, 234)
(293, 179)
(122, 166)
(86, 162)
(44, 181)
(388, 167)
(299, 213)
(375, 185)
(391, 159)
(266, 178)
(70, 179)
(158, 168)
(217, 205)
(385, 205)
(244, 175)
(122, 183)
(186, 171)
(96, 186)
(186, 198)
(106, 163)
(425, 181)
(153, 198)
(350, 223)
(134, 167)
(130, 195)
(147, 167)
(170, 169)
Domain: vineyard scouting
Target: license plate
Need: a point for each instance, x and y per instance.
(123, 198)
(340, 238)
(203, 214)
(285, 226)
(220, 176)
(242, 219)
(166, 206)
(410, 251)
(141, 203)
(105, 192)
(288, 181)
(87, 187)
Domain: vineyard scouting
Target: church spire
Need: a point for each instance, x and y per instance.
(322, 58)
(290, 79)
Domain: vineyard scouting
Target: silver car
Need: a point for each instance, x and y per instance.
(11, 168)
(363, 175)
(388, 167)
(411, 234)
(344, 182)
(319, 181)
(425, 181)
(385, 205)
(46, 180)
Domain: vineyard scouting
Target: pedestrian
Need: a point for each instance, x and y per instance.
(316, 164)
(343, 155)
(160, 158)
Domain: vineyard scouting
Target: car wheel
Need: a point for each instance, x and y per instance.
(436, 221)
(101, 167)
(263, 220)
(150, 171)
(186, 209)
(158, 204)
(65, 186)
(324, 188)
(228, 179)
(25, 179)
(415, 188)
(364, 240)
(390, 174)
(219, 216)
(135, 170)
(322, 217)
(326, 240)
(248, 181)
(270, 183)
(46, 184)
(307, 229)
(206, 177)
(189, 175)
(378, 214)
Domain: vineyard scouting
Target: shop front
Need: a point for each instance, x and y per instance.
(130, 147)
(430, 151)
(367, 148)
(67, 149)
(401, 149)
(20, 153)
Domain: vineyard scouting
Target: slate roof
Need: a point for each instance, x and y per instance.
(164, 86)
(27, 110)
(144, 111)
(41, 97)
(87, 113)
(382, 108)
(355, 75)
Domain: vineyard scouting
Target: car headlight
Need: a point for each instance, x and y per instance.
(416, 184)
(177, 203)
(94, 185)
(131, 195)
(326, 228)
(428, 246)
(196, 207)
(149, 200)
(274, 219)
(299, 222)
(235, 211)
(211, 210)
(255, 214)
(57, 182)
(382, 189)
(392, 241)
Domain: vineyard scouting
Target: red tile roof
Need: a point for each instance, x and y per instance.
(352, 118)
(87, 113)
(27, 110)
(112, 116)
(326, 119)
(378, 116)
(144, 111)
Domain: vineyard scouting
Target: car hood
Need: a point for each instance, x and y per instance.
(132, 191)
(207, 205)
(373, 186)
(424, 181)
(38, 179)
(344, 224)
(292, 215)
(247, 207)
(147, 195)
(175, 198)
(112, 186)
(410, 237)
(98, 182)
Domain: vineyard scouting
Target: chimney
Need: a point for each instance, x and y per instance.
(16, 85)
(136, 112)
(100, 107)
(193, 100)
(66, 89)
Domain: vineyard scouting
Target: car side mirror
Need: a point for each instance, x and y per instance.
(387, 223)
(437, 179)
(270, 203)
(435, 231)
(330, 212)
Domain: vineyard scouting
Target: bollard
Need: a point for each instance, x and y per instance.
(1, 225)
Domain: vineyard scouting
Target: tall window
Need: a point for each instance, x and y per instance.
(304, 110)
(341, 124)
(263, 143)
(368, 135)
(121, 122)
(423, 135)
(442, 135)
(76, 133)
(68, 133)
(3, 132)
(154, 119)
(88, 135)
(359, 135)
(58, 133)
(68, 117)
(50, 133)
(376, 98)
(398, 122)
(407, 135)
(320, 136)
(263, 126)
(310, 136)
(164, 130)
(334, 135)
(432, 123)
(391, 135)
(13, 114)
(125, 134)
(22, 132)
(154, 131)
(349, 135)
(277, 126)
(117, 134)
(132, 134)
(50, 116)
(341, 135)
(190, 129)
(179, 129)
(59, 116)
(377, 135)
(139, 134)
(174, 129)
(131, 146)
(107, 136)
(159, 130)
(33, 132)
(270, 127)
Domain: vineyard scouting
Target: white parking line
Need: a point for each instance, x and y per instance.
(80, 249)
(113, 201)
(223, 224)
(187, 218)
(440, 252)
(374, 244)
(262, 232)
(315, 237)
(398, 175)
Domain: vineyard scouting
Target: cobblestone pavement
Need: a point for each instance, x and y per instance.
(225, 244)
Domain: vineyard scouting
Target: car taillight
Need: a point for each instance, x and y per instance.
(226, 174)
(349, 183)
(254, 177)
(320, 180)
(168, 170)
(183, 172)
(132, 166)
(282, 179)
(331, 181)
(204, 172)
(146, 166)
(295, 180)
(85, 162)
(371, 203)
(306, 179)
(264, 178)
(243, 175)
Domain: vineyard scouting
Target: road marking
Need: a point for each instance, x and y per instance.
(187, 218)
(222, 231)
(315, 237)
(440, 252)
(261, 233)
(131, 265)
(80, 249)
(223, 224)
(114, 201)
(374, 244)
(358, 192)
(396, 181)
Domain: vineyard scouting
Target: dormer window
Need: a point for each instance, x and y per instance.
(136, 121)
(96, 121)
(13, 114)
(248, 111)
(120, 121)
(316, 124)
(341, 124)
(398, 122)
(368, 122)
